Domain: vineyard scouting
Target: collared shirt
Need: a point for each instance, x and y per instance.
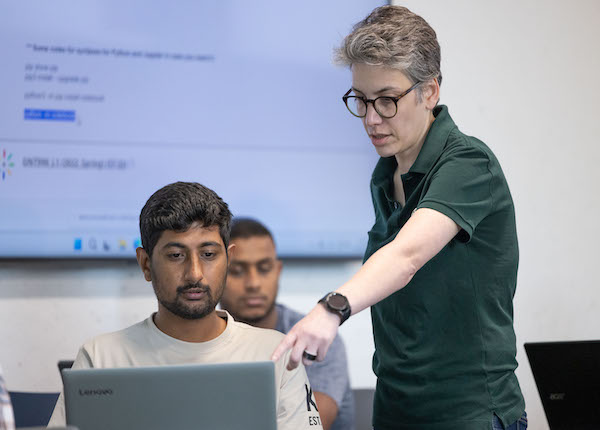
(445, 343)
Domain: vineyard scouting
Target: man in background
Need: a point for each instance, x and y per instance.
(250, 296)
(185, 253)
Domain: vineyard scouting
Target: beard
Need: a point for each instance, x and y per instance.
(196, 310)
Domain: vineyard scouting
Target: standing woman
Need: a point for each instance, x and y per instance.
(441, 262)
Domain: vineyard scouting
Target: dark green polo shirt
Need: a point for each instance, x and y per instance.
(445, 345)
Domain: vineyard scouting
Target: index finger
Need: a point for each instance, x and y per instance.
(287, 343)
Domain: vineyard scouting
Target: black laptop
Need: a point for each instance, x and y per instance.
(567, 375)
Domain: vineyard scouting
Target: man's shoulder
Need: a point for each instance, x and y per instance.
(250, 334)
(129, 334)
(287, 318)
(248, 343)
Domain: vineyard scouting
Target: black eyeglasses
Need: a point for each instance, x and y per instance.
(385, 106)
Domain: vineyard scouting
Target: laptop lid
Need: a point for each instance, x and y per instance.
(205, 396)
(567, 375)
(49, 428)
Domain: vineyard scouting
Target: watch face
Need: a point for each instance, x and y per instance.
(337, 301)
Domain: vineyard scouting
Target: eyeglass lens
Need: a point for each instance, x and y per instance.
(384, 106)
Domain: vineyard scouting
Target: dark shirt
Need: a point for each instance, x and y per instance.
(444, 344)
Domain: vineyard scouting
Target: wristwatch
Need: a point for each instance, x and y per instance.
(338, 304)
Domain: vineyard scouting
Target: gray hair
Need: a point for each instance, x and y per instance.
(395, 37)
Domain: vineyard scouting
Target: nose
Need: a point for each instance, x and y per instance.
(194, 272)
(252, 281)
(372, 117)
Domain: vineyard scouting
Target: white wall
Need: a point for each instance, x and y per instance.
(520, 75)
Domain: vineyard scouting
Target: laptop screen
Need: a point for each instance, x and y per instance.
(567, 375)
(206, 396)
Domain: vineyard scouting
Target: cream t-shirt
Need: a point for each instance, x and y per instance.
(143, 344)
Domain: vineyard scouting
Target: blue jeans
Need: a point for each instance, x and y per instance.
(521, 424)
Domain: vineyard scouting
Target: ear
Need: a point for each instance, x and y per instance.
(144, 262)
(431, 93)
(230, 253)
(278, 267)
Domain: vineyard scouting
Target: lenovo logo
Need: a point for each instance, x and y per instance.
(557, 396)
(96, 392)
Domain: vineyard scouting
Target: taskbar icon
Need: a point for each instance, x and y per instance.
(102, 246)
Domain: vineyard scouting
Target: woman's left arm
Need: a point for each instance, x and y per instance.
(388, 270)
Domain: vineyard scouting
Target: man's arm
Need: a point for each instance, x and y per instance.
(328, 409)
(388, 270)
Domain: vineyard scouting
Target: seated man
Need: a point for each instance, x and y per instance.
(185, 247)
(250, 295)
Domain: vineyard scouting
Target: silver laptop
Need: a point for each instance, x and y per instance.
(185, 397)
(49, 428)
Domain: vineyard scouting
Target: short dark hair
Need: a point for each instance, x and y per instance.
(244, 228)
(177, 206)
